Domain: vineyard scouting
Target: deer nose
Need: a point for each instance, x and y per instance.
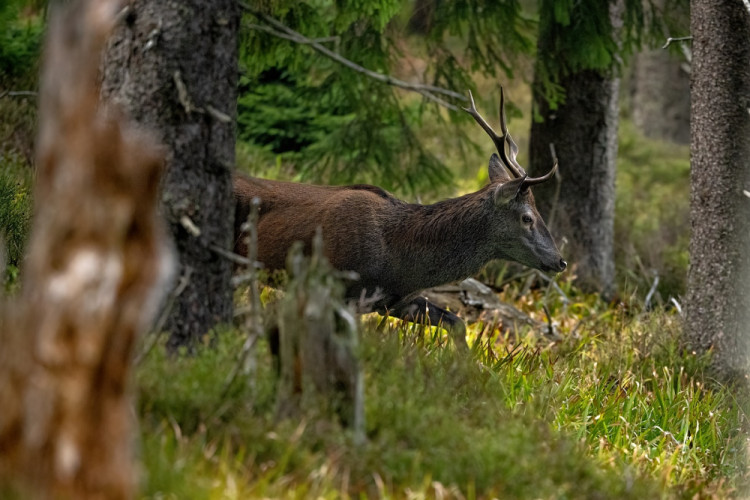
(563, 265)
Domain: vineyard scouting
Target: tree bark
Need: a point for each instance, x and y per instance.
(580, 204)
(97, 267)
(718, 302)
(173, 67)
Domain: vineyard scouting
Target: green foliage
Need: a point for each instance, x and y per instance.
(21, 28)
(336, 125)
(496, 33)
(276, 117)
(575, 36)
(15, 211)
(20, 41)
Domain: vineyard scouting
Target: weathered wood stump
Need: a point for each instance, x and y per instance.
(318, 336)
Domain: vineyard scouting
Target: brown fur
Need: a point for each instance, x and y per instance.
(398, 248)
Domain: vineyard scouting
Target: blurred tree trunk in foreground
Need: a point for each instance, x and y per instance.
(173, 67)
(660, 83)
(97, 265)
(718, 302)
(583, 130)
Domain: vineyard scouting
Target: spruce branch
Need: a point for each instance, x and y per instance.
(280, 30)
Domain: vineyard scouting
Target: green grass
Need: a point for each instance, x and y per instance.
(616, 410)
(15, 212)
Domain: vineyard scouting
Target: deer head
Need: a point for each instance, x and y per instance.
(519, 225)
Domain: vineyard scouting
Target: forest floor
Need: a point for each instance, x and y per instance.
(616, 409)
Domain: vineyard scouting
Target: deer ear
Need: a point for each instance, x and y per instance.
(498, 171)
(507, 191)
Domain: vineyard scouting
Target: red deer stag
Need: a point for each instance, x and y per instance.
(400, 248)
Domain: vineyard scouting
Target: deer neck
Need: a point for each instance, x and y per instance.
(444, 242)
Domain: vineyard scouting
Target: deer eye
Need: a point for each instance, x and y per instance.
(527, 219)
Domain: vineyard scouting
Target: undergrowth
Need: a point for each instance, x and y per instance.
(617, 409)
(15, 213)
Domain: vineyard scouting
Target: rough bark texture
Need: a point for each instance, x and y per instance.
(580, 205)
(718, 304)
(660, 85)
(97, 266)
(173, 67)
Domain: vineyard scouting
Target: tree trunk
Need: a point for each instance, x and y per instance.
(422, 17)
(660, 86)
(173, 67)
(718, 302)
(97, 266)
(580, 206)
(660, 96)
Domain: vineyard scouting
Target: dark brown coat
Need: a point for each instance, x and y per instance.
(399, 248)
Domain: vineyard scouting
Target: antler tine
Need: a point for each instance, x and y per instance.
(499, 141)
(511, 143)
(530, 181)
(538, 180)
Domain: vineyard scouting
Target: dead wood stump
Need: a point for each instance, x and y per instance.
(318, 335)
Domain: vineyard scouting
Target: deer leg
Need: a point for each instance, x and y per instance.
(419, 309)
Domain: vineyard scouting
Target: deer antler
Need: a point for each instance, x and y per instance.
(500, 141)
(511, 143)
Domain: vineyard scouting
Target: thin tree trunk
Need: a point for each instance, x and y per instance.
(173, 67)
(97, 266)
(584, 133)
(422, 16)
(718, 302)
(660, 96)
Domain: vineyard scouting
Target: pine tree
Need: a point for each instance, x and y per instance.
(338, 125)
(575, 95)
